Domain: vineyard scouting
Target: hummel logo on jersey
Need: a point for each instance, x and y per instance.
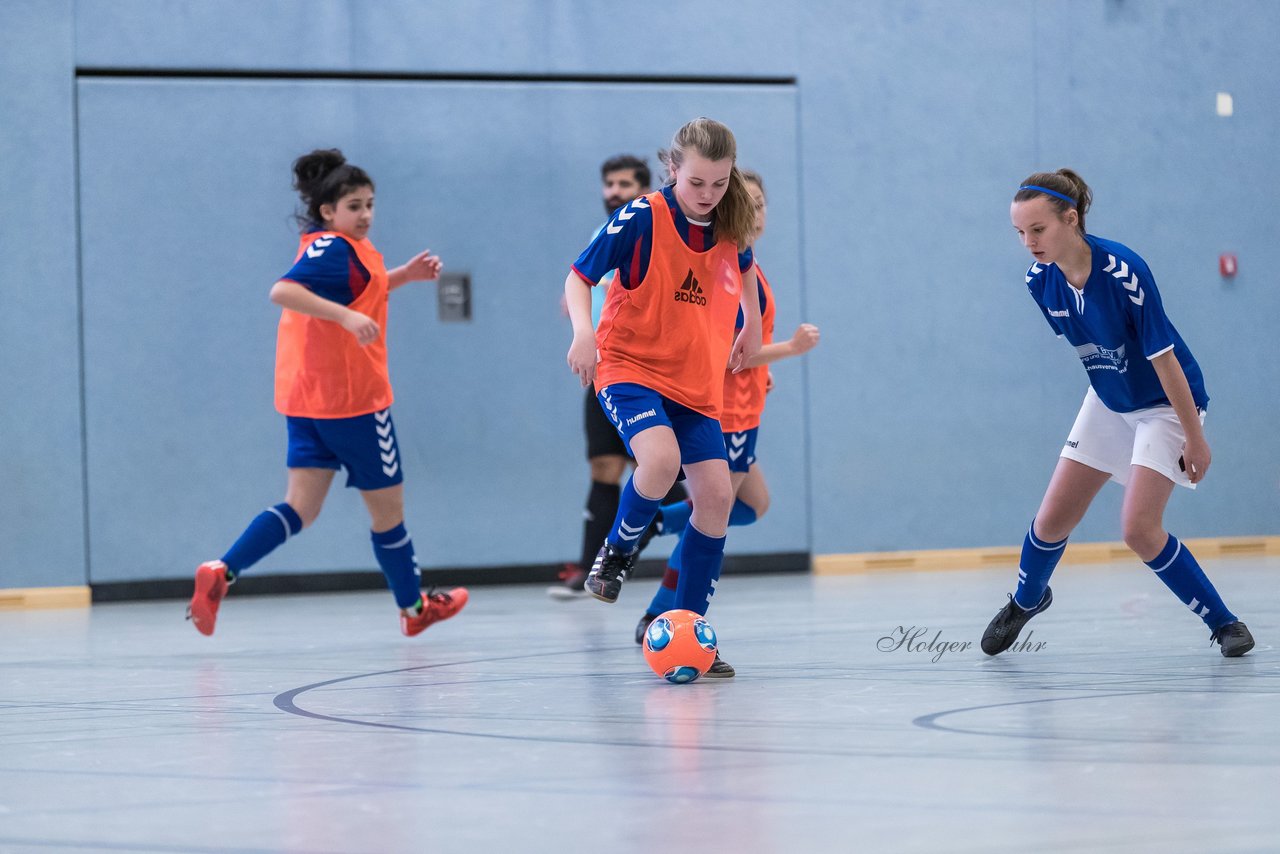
(1053, 312)
(315, 250)
(1136, 294)
(625, 213)
(690, 291)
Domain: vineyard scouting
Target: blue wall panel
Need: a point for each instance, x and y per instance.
(933, 410)
(476, 36)
(41, 484)
(179, 335)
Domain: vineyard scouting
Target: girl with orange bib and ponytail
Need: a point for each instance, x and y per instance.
(744, 400)
(684, 268)
(332, 385)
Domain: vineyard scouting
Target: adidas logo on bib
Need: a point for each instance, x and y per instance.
(690, 291)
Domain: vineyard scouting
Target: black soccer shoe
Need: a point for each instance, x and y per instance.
(1234, 638)
(1003, 630)
(643, 626)
(612, 567)
(649, 533)
(719, 669)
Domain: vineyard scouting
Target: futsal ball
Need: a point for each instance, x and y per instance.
(680, 646)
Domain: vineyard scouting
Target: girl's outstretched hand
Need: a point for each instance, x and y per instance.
(804, 339)
(423, 267)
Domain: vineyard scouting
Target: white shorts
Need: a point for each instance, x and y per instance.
(1113, 441)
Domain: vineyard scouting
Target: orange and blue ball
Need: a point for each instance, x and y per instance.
(680, 646)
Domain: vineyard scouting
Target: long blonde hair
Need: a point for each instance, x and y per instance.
(735, 215)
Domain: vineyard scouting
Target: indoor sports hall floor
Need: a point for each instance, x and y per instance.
(307, 724)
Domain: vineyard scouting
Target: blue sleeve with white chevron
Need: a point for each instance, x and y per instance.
(1117, 325)
(329, 268)
(1142, 301)
(626, 240)
(615, 244)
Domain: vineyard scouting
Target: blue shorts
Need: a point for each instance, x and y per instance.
(741, 448)
(365, 446)
(633, 408)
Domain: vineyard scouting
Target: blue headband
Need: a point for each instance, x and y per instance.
(1066, 199)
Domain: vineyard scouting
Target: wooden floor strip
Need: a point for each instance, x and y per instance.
(44, 597)
(845, 564)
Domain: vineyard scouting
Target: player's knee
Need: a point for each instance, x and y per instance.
(1052, 528)
(1145, 538)
(758, 503)
(713, 503)
(659, 467)
(386, 512)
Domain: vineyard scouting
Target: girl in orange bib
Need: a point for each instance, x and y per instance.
(744, 400)
(333, 388)
(665, 336)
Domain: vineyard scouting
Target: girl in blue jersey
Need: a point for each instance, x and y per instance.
(1140, 424)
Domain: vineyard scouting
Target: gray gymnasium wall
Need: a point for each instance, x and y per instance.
(42, 540)
(930, 416)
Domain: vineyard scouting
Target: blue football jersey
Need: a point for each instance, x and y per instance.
(329, 268)
(1117, 325)
(624, 243)
(598, 294)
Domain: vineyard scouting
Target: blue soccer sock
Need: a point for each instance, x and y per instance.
(394, 551)
(674, 517)
(1034, 568)
(700, 558)
(665, 598)
(268, 530)
(1177, 568)
(741, 514)
(635, 512)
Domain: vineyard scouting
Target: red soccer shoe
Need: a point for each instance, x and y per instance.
(211, 586)
(436, 607)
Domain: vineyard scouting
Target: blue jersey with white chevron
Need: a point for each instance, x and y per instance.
(1117, 325)
(624, 243)
(599, 294)
(330, 269)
